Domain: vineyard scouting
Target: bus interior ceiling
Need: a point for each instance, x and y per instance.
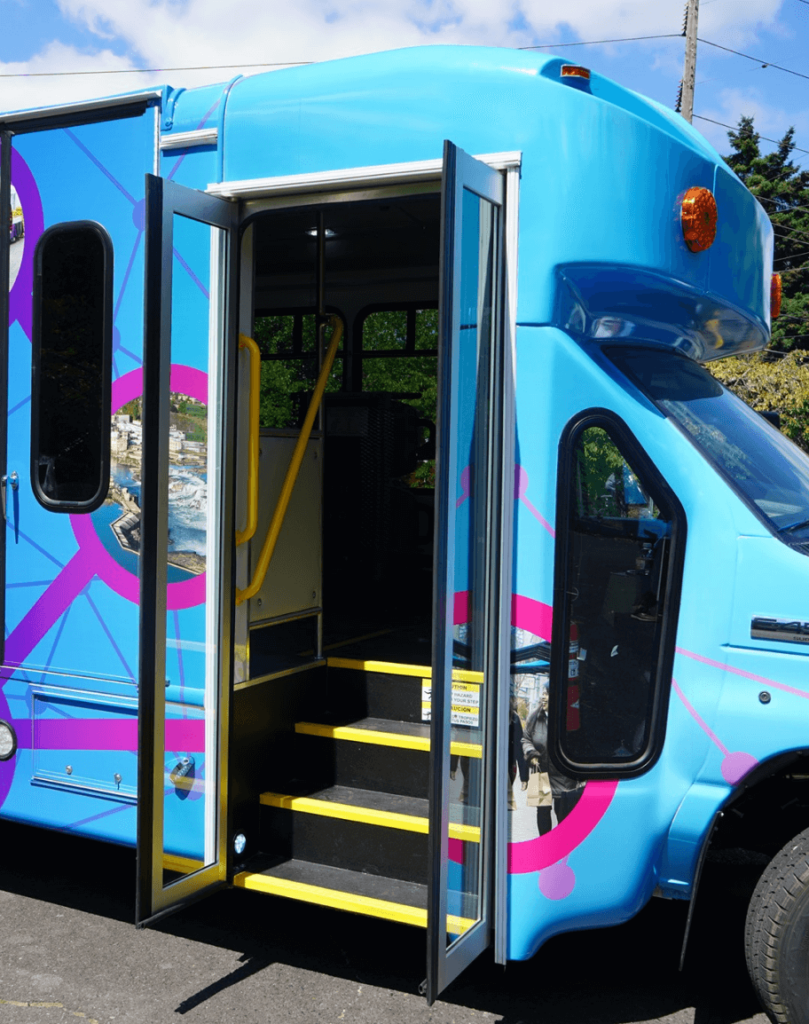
(379, 412)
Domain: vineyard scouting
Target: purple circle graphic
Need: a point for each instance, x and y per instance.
(185, 593)
(6, 767)
(558, 881)
(735, 766)
(20, 294)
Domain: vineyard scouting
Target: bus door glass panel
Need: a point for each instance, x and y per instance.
(465, 637)
(616, 574)
(183, 531)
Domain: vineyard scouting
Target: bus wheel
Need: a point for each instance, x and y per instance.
(777, 934)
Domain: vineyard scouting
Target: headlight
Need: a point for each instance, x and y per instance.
(8, 741)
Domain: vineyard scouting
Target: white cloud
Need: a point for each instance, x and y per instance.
(17, 93)
(769, 120)
(181, 33)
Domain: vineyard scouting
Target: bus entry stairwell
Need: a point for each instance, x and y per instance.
(352, 832)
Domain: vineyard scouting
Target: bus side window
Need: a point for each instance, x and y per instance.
(615, 580)
(71, 370)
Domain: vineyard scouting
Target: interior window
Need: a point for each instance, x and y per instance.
(290, 366)
(616, 553)
(399, 357)
(72, 346)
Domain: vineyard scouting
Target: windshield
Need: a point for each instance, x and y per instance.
(767, 470)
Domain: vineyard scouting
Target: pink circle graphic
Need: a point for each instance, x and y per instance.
(556, 845)
(31, 202)
(185, 593)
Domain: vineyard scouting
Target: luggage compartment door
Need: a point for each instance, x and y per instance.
(186, 544)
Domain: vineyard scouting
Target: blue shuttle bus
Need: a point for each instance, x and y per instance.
(374, 534)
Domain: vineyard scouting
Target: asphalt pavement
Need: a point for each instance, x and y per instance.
(69, 952)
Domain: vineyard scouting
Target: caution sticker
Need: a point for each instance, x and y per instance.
(465, 703)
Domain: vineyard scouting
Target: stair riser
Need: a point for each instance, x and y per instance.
(357, 846)
(375, 695)
(326, 762)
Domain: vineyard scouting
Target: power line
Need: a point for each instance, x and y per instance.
(786, 209)
(149, 71)
(797, 256)
(792, 231)
(601, 42)
(758, 60)
(299, 63)
(748, 135)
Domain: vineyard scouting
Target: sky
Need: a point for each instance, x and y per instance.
(44, 36)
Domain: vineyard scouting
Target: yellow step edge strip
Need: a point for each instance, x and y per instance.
(382, 739)
(345, 901)
(393, 668)
(366, 815)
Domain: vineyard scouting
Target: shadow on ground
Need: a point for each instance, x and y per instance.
(605, 976)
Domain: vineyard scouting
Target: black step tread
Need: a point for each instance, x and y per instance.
(357, 891)
(367, 798)
(413, 734)
(387, 809)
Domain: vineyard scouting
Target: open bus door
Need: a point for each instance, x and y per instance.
(471, 605)
(185, 605)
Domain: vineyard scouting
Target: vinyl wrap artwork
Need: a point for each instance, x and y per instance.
(608, 487)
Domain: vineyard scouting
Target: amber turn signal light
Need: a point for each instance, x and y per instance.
(698, 217)
(575, 71)
(775, 296)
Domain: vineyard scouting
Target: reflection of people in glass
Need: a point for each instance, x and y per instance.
(565, 792)
(454, 759)
(516, 758)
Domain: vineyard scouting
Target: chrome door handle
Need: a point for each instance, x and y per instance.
(13, 480)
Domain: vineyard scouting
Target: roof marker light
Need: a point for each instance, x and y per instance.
(698, 217)
(575, 71)
(775, 296)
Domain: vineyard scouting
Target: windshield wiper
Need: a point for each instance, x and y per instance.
(794, 526)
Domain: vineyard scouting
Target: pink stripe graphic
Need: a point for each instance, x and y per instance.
(741, 672)
(555, 845)
(105, 734)
(699, 719)
(520, 487)
(736, 764)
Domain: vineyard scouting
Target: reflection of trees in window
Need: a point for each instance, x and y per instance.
(606, 484)
(616, 554)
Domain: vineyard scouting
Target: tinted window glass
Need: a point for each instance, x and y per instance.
(71, 367)
(616, 552)
(768, 470)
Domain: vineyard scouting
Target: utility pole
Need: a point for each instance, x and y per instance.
(686, 103)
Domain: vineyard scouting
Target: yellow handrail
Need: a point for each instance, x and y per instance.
(252, 444)
(277, 522)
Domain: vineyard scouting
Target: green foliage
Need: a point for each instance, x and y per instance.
(772, 383)
(782, 188)
(287, 383)
(777, 380)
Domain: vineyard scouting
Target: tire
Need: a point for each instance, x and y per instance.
(777, 934)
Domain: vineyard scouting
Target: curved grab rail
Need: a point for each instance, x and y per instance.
(277, 522)
(252, 444)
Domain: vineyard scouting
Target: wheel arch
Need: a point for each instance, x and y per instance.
(761, 814)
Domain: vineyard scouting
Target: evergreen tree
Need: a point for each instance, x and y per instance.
(782, 188)
(777, 379)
